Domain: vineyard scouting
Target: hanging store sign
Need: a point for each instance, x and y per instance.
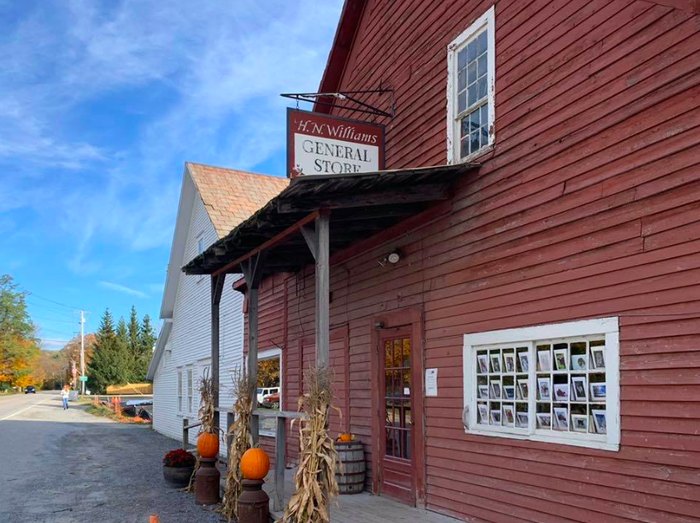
(322, 144)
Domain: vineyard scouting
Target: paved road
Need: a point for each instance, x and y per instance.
(61, 466)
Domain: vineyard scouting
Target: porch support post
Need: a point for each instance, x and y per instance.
(252, 272)
(322, 289)
(217, 288)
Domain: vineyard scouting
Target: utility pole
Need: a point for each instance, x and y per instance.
(82, 352)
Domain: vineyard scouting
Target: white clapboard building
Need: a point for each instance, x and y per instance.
(213, 201)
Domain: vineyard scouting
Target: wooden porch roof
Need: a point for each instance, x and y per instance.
(359, 206)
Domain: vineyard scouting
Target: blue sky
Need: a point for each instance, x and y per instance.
(101, 103)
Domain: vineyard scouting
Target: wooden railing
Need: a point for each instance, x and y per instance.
(280, 444)
(280, 450)
(186, 426)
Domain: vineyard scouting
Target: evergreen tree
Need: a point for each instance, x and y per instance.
(146, 341)
(134, 329)
(110, 361)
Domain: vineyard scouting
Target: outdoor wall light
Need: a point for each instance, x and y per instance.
(393, 257)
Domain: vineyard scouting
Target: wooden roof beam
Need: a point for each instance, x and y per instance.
(275, 240)
(415, 194)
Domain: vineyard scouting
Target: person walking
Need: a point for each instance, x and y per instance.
(65, 392)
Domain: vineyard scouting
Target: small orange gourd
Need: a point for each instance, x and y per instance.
(255, 464)
(345, 437)
(208, 445)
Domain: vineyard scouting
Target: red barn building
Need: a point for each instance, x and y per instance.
(533, 350)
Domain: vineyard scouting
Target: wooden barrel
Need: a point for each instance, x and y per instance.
(350, 472)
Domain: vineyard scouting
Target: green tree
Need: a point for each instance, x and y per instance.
(110, 360)
(147, 339)
(19, 350)
(135, 345)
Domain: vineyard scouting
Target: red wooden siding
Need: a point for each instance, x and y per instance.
(588, 206)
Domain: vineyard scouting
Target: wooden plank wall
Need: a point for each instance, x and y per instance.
(588, 206)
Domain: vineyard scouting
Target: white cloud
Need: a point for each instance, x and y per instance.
(215, 71)
(123, 289)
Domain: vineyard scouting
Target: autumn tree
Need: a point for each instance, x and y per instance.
(19, 349)
(269, 373)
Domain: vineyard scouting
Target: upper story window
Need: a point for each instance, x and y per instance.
(557, 383)
(470, 90)
(200, 245)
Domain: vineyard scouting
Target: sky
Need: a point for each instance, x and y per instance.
(101, 103)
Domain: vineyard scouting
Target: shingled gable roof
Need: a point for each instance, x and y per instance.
(231, 196)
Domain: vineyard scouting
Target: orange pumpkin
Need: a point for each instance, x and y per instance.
(208, 445)
(345, 437)
(255, 464)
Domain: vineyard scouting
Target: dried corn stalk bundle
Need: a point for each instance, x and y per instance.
(241, 440)
(206, 416)
(190, 485)
(206, 413)
(314, 480)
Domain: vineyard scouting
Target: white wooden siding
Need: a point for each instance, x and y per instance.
(190, 338)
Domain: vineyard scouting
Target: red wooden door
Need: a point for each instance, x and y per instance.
(396, 408)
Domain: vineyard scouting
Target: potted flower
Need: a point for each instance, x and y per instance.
(178, 466)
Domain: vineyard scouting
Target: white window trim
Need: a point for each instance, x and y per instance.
(609, 327)
(189, 386)
(269, 354)
(486, 20)
(180, 389)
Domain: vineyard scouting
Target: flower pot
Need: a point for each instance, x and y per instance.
(178, 477)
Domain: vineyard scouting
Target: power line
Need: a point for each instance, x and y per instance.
(49, 320)
(54, 301)
(47, 307)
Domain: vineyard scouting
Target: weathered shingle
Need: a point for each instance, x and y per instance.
(231, 196)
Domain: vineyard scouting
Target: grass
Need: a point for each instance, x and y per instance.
(99, 409)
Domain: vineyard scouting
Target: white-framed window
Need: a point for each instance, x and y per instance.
(269, 387)
(179, 391)
(190, 389)
(200, 245)
(471, 80)
(558, 383)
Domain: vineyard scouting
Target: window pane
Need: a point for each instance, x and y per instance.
(474, 121)
(464, 127)
(481, 43)
(461, 59)
(482, 87)
(462, 80)
(471, 51)
(471, 73)
(461, 101)
(482, 66)
(464, 147)
(485, 115)
(484, 136)
(471, 99)
(474, 141)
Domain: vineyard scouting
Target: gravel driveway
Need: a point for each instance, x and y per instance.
(69, 466)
